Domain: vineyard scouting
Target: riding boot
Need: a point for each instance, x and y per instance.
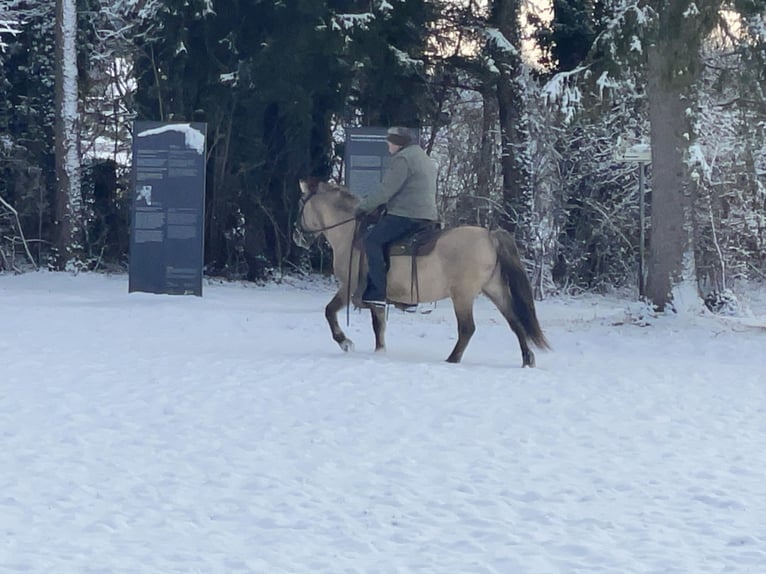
(376, 275)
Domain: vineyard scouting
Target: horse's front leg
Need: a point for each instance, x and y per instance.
(331, 314)
(379, 327)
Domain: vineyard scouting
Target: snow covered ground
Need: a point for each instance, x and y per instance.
(229, 434)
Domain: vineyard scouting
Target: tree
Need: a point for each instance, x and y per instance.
(674, 65)
(566, 42)
(658, 45)
(728, 160)
(504, 49)
(271, 79)
(69, 193)
(266, 78)
(392, 63)
(26, 119)
(276, 81)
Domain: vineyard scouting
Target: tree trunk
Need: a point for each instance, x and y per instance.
(673, 71)
(507, 56)
(220, 221)
(485, 180)
(670, 243)
(68, 192)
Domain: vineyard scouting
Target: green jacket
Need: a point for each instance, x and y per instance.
(408, 188)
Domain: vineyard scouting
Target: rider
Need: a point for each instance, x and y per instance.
(408, 192)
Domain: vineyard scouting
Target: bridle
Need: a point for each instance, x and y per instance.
(301, 227)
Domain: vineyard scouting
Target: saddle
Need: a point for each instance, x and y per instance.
(421, 242)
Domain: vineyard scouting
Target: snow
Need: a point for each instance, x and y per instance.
(229, 434)
(691, 11)
(405, 59)
(231, 78)
(605, 82)
(351, 21)
(497, 38)
(193, 138)
(8, 27)
(563, 91)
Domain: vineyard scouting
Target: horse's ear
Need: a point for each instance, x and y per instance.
(309, 185)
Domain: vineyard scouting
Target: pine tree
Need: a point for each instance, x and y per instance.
(566, 42)
(267, 79)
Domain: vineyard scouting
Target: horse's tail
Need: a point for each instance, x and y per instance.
(522, 299)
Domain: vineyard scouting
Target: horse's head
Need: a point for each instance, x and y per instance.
(323, 206)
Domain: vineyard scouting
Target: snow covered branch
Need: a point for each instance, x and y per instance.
(496, 38)
(8, 27)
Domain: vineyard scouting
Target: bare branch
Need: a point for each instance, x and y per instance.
(15, 213)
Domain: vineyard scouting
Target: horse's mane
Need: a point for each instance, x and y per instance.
(346, 199)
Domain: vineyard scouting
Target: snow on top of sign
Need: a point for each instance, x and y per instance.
(193, 138)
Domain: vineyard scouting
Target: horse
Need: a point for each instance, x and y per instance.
(464, 261)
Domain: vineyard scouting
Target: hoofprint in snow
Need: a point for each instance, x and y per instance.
(229, 434)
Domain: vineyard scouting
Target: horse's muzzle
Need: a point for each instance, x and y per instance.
(299, 238)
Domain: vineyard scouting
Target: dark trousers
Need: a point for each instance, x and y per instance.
(389, 229)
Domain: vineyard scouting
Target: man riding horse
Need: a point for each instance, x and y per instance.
(408, 193)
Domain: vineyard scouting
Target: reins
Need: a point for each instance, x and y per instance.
(350, 267)
(320, 229)
(327, 228)
(350, 251)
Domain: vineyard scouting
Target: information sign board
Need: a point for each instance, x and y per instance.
(167, 222)
(636, 152)
(366, 158)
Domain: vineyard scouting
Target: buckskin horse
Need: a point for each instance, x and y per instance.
(461, 263)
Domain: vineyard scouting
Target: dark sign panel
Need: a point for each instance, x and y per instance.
(366, 158)
(167, 239)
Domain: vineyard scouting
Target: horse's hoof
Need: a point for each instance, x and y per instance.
(347, 345)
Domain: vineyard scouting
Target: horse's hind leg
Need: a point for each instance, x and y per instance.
(379, 327)
(501, 297)
(465, 328)
(331, 314)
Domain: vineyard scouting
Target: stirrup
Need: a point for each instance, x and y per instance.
(427, 308)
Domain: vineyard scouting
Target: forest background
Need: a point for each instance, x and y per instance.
(523, 107)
